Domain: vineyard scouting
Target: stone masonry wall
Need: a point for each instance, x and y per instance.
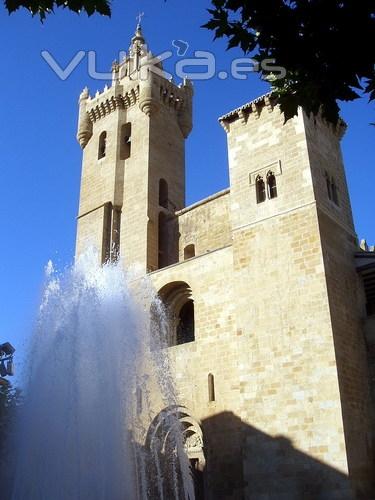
(288, 377)
(347, 310)
(277, 300)
(206, 225)
(215, 351)
(289, 380)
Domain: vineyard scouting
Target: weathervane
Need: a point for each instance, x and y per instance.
(139, 17)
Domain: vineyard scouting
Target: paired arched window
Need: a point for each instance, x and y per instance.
(260, 189)
(189, 251)
(125, 144)
(102, 145)
(163, 193)
(271, 185)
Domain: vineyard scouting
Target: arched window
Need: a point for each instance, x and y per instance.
(163, 193)
(211, 388)
(178, 312)
(185, 324)
(102, 145)
(271, 185)
(125, 145)
(189, 251)
(260, 189)
(163, 243)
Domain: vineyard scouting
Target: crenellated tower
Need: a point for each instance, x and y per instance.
(133, 173)
(267, 296)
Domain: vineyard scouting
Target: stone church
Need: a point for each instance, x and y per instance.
(273, 298)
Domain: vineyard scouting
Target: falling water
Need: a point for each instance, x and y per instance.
(93, 387)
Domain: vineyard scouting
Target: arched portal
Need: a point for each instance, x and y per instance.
(178, 302)
(172, 427)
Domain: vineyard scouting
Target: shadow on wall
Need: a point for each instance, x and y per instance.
(245, 463)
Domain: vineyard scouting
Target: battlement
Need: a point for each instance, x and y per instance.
(255, 107)
(116, 97)
(138, 79)
(109, 100)
(259, 102)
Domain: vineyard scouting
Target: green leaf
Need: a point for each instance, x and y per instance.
(311, 39)
(44, 7)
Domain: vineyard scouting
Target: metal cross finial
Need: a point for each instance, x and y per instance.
(139, 17)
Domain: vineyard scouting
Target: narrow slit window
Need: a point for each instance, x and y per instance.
(107, 224)
(163, 193)
(125, 147)
(271, 185)
(139, 398)
(102, 150)
(211, 388)
(260, 189)
(334, 191)
(329, 186)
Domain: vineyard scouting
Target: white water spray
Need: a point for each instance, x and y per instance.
(93, 387)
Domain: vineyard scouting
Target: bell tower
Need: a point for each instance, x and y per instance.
(133, 171)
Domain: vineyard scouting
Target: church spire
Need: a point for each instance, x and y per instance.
(138, 40)
(138, 35)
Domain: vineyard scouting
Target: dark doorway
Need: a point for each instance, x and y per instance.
(198, 479)
(185, 326)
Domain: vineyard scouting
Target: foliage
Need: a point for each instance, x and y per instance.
(44, 7)
(324, 45)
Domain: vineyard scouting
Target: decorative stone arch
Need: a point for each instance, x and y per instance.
(177, 298)
(176, 419)
(167, 428)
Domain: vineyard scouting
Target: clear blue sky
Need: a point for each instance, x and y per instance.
(40, 159)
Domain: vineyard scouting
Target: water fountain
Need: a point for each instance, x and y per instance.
(97, 372)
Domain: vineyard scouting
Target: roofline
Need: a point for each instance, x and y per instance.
(212, 197)
(237, 111)
(269, 100)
